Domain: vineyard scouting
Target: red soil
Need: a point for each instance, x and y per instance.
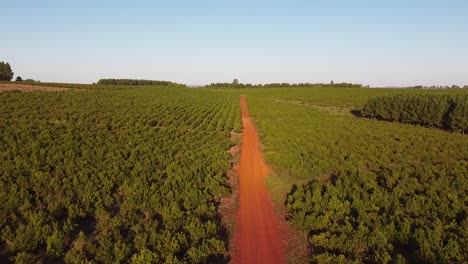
(257, 238)
(29, 88)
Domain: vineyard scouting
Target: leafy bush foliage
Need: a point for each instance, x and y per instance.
(384, 215)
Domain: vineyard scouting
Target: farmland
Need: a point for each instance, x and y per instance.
(240, 132)
(123, 174)
(115, 176)
(364, 190)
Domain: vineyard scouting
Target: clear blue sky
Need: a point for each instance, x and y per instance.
(381, 43)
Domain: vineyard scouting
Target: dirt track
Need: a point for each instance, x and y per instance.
(257, 237)
(29, 88)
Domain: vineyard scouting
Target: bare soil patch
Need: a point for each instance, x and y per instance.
(30, 88)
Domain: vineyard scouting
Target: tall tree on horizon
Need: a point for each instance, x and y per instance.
(6, 74)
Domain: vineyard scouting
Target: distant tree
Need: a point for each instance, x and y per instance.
(6, 74)
(332, 82)
(235, 83)
(19, 79)
(458, 120)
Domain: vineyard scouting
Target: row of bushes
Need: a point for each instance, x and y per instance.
(133, 82)
(441, 110)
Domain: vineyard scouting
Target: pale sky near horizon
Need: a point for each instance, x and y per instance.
(380, 43)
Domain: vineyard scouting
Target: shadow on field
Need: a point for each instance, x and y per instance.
(290, 193)
(356, 112)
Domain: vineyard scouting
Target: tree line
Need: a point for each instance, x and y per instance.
(237, 85)
(133, 82)
(436, 110)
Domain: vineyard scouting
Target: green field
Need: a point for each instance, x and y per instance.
(118, 174)
(130, 175)
(364, 191)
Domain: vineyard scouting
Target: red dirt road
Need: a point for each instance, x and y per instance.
(257, 236)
